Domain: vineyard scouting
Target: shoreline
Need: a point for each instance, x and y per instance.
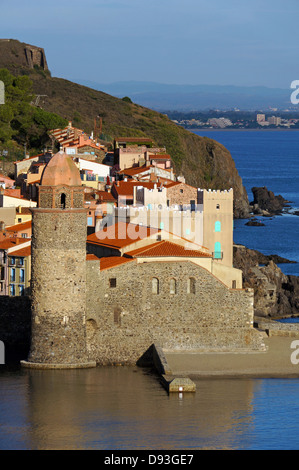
(275, 362)
(238, 130)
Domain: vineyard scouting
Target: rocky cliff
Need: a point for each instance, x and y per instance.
(275, 294)
(266, 203)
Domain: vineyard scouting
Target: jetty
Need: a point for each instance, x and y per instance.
(279, 360)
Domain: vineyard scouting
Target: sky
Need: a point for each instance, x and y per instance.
(215, 42)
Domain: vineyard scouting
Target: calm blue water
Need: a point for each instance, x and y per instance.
(271, 159)
(127, 409)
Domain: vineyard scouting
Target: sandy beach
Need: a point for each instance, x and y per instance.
(279, 360)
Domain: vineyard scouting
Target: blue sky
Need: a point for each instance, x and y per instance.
(224, 42)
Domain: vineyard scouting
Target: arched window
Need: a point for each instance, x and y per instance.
(217, 251)
(62, 200)
(217, 226)
(155, 285)
(117, 316)
(172, 286)
(191, 285)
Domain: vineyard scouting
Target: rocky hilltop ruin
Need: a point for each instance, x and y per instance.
(18, 55)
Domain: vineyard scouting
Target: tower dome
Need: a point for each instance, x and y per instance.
(61, 170)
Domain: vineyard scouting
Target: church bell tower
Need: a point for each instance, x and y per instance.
(58, 253)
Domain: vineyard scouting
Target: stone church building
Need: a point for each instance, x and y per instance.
(107, 298)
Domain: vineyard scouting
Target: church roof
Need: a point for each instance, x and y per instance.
(61, 170)
(165, 248)
(120, 235)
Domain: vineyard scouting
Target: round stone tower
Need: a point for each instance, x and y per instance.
(58, 253)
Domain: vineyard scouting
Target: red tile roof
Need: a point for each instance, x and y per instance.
(91, 257)
(105, 196)
(113, 262)
(165, 248)
(126, 188)
(23, 252)
(11, 242)
(172, 183)
(30, 158)
(135, 170)
(19, 227)
(120, 235)
(159, 156)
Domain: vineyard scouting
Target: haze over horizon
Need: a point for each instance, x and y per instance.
(171, 42)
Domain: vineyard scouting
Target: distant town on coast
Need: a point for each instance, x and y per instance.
(236, 119)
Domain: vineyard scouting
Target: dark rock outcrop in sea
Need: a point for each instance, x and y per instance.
(275, 294)
(255, 223)
(265, 203)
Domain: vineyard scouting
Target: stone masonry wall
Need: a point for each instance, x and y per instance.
(51, 196)
(181, 194)
(58, 287)
(124, 321)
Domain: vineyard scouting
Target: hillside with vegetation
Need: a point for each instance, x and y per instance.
(52, 101)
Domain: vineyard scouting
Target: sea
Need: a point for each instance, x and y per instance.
(118, 409)
(270, 159)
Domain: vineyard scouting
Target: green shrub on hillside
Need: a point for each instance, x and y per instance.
(20, 121)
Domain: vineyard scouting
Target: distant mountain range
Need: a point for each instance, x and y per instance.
(163, 97)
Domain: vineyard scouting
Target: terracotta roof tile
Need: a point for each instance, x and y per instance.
(91, 257)
(113, 262)
(135, 170)
(23, 252)
(120, 235)
(126, 188)
(19, 227)
(169, 249)
(11, 242)
(159, 156)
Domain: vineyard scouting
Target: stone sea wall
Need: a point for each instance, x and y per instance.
(15, 325)
(125, 317)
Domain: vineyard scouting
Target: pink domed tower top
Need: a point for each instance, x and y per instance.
(61, 170)
(61, 186)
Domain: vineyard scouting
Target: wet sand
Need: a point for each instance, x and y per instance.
(275, 362)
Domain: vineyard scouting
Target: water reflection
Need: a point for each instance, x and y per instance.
(121, 408)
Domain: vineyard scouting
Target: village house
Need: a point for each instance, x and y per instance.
(15, 266)
(74, 141)
(13, 198)
(23, 167)
(159, 160)
(132, 152)
(21, 230)
(6, 182)
(123, 191)
(100, 205)
(84, 145)
(23, 214)
(93, 174)
(19, 271)
(148, 173)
